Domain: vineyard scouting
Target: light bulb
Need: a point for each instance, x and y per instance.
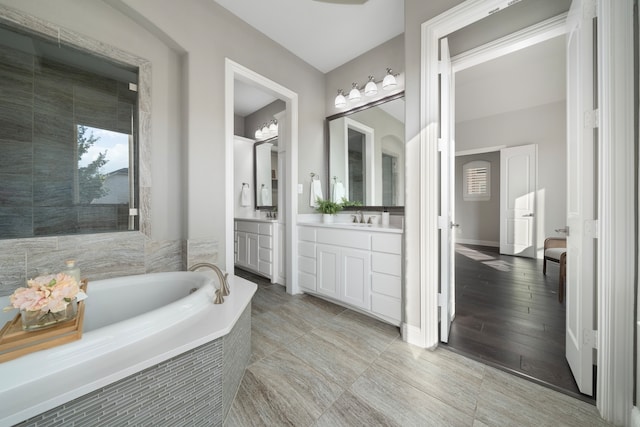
(273, 126)
(265, 130)
(389, 81)
(258, 134)
(371, 87)
(340, 101)
(354, 95)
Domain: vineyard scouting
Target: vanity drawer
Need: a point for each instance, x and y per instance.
(247, 226)
(265, 255)
(386, 263)
(307, 234)
(307, 249)
(307, 265)
(264, 268)
(386, 306)
(346, 238)
(386, 284)
(386, 242)
(266, 229)
(265, 242)
(307, 281)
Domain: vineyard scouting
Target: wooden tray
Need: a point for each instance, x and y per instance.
(15, 342)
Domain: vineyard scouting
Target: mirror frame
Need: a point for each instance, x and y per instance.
(255, 176)
(398, 95)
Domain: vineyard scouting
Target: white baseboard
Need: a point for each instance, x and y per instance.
(635, 417)
(478, 242)
(413, 335)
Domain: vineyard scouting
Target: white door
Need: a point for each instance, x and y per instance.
(518, 173)
(241, 258)
(252, 251)
(356, 277)
(581, 186)
(328, 271)
(447, 174)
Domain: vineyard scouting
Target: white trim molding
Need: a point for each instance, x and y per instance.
(289, 135)
(616, 210)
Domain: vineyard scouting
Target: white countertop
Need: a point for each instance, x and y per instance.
(358, 227)
(267, 220)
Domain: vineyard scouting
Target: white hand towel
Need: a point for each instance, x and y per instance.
(245, 196)
(266, 196)
(338, 192)
(315, 193)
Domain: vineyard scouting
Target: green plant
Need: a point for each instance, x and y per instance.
(326, 206)
(348, 203)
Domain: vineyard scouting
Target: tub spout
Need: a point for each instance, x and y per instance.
(222, 278)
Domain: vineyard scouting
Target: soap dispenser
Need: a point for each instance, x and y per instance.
(73, 270)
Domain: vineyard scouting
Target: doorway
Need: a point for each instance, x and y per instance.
(288, 136)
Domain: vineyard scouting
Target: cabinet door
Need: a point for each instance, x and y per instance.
(242, 256)
(252, 251)
(328, 264)
(355, 272)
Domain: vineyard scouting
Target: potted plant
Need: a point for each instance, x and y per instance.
(328, 209)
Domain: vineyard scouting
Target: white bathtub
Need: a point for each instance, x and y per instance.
(131, 323)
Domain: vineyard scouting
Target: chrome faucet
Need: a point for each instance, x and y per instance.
(222, 278)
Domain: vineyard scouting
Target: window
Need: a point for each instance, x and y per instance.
(68, 130)
(476, 176)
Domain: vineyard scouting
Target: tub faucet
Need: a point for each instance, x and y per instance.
(222, 278)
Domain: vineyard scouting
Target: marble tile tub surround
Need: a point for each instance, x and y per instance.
(99, 256)
(317, 364)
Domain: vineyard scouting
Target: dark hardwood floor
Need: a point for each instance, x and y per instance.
(508, 315)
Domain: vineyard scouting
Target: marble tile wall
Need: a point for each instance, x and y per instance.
(99, 256)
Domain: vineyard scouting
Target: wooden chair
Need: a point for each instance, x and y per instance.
(555, 249)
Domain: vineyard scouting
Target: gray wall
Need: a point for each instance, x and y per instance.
(186, 44)
(479, 220)
(263, 115)
(545, 126)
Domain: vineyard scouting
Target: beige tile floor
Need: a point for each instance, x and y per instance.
(317, 364)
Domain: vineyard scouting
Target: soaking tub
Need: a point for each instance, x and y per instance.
(134, 326)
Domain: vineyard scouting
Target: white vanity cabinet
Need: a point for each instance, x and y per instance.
(255, 248)
(360, 268)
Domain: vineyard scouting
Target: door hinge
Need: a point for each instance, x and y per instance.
(590, 338)
(441, 301)
(443, 223)
(133, 87)
(133, 212)
(591, 228)
(442, 145)
(591, 119)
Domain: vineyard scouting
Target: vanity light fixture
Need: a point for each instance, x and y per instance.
(273, 127)
(389, 81)
(258, 134)
(371, 88)
(354, 95)
(340, 101)
(265, 130)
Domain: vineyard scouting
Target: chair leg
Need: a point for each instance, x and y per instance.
(563, 275)
(544, 266)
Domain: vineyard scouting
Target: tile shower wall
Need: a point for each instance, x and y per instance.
(41, 102)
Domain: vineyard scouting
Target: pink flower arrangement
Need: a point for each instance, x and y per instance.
(50, 293)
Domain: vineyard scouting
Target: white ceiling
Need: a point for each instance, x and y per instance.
(249, 99)
(524, 79)
(325, 35)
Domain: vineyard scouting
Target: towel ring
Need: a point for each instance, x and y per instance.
(244, 183)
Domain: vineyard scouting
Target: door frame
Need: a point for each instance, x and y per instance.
(616, 209)
(289, 135)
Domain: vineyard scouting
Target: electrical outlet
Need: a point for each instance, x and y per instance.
(299, 188)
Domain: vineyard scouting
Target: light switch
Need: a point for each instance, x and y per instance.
(299, 188)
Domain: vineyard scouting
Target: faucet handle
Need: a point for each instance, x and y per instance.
(219, 299)
(224, 286)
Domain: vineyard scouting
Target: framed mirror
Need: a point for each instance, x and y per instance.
(265, 163)
(366, 154)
